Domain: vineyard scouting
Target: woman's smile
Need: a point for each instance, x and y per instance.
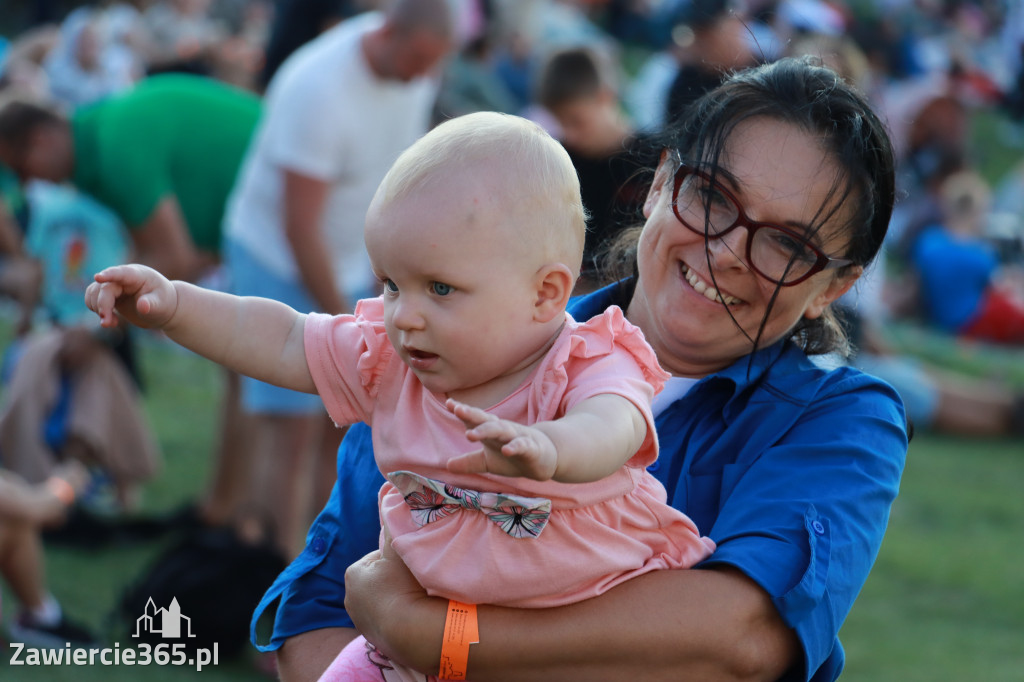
(705, 288)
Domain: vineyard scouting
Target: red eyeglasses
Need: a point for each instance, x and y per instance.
(778, 254)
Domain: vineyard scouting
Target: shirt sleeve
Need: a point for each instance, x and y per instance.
(806, 519)
(609, 356)
(347, 355)
(303, 133)
(310, 593)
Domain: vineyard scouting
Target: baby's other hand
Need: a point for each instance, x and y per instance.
(509, 449)
(140, 294)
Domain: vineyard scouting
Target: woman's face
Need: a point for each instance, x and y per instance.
(780, 174)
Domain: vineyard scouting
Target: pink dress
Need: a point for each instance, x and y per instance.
(473, 538)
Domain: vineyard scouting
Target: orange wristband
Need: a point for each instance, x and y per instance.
(61, 489)
(460, 630)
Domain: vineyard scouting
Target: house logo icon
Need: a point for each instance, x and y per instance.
(166, 622)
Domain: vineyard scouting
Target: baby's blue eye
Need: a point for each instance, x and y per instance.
(440, 288)
(390, 286)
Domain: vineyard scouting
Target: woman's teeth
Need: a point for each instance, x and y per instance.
(710, 292)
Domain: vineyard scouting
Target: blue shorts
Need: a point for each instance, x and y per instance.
(250, 278)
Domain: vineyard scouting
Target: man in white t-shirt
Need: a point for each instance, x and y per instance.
(336, 115)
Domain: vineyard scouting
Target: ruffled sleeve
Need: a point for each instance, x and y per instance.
(348, 356)
(605, 355)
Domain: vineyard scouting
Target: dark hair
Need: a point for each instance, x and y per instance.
(801, 92)
(409, 16)
(18, 118)
(567, 76)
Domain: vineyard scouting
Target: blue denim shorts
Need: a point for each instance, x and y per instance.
(248, 277)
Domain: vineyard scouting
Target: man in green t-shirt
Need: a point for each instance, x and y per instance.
(163, 156)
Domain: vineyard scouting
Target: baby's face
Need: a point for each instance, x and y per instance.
(459, 284)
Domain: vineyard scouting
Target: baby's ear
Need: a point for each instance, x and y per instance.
(554, 287)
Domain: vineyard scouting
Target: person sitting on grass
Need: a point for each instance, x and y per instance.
(24, 510)
(965, 288)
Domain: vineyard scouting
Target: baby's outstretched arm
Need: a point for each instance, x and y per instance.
(591, 441)
(256, 337)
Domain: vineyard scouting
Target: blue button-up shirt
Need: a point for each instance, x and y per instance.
(789, 468)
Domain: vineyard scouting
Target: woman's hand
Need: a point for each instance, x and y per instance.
(393, 611)
(693, 624)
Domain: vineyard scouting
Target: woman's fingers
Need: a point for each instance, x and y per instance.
(373, 556)
(379, 573)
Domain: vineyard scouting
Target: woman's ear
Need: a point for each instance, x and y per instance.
(838, 286)
(554, 284)
(661, 177)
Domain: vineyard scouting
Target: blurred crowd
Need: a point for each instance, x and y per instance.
(92, 94)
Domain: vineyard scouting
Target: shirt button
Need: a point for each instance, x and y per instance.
(318, 546)
(818, 527)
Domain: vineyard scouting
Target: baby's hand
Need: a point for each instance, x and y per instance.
(510, 449)
(140, 294)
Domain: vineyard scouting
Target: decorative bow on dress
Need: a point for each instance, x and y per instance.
(430, 500)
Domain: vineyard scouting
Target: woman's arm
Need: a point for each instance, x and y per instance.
(664, 625)
(306, 656)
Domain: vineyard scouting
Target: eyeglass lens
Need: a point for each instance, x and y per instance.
(777, 254)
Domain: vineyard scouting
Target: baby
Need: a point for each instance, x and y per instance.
(513, 438)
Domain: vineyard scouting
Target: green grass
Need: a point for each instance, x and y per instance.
(944, 602)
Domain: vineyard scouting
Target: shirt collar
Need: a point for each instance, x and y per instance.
(787, 382)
